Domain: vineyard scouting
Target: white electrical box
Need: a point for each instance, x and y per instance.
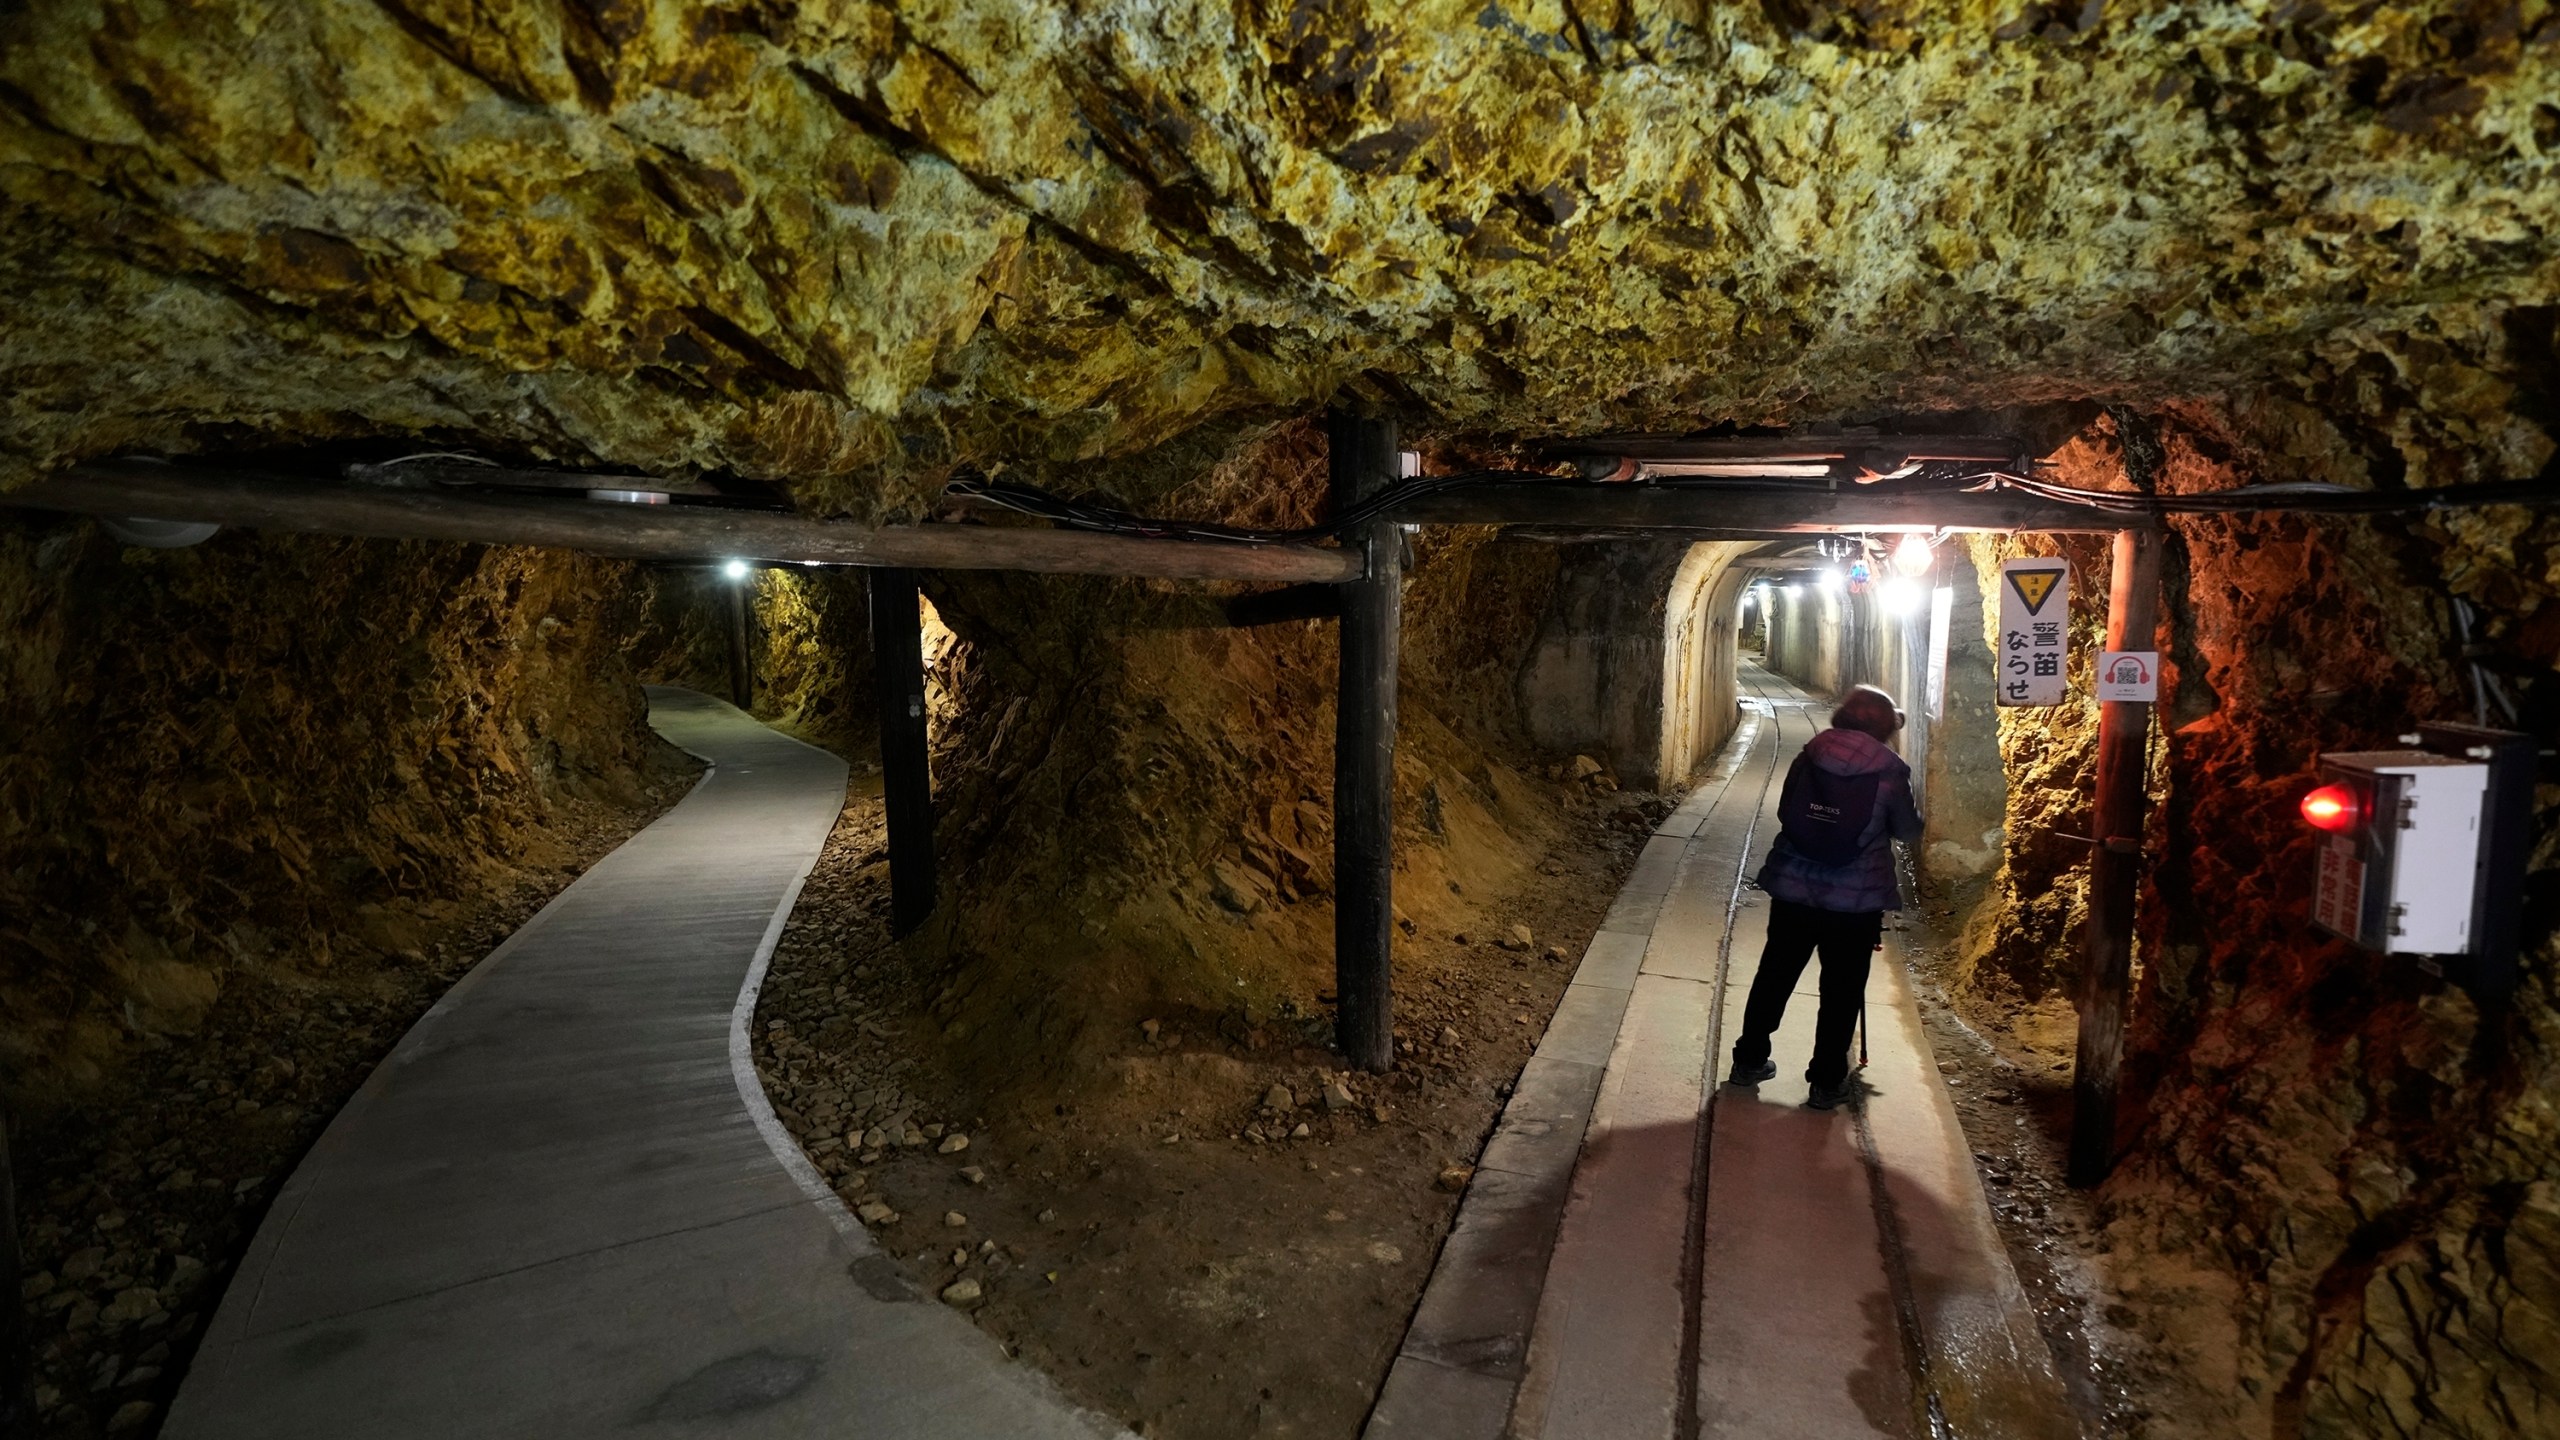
(2401, 849)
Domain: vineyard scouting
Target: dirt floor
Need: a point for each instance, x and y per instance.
(1229, 1238)
(2117, 1323)
(139, 1200)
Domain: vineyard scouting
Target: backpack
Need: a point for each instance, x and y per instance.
(1823, 815)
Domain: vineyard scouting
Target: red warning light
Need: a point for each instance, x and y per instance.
(2332, 807)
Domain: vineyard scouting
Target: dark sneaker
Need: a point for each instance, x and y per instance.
(1766, 1070)
(1832, 1097)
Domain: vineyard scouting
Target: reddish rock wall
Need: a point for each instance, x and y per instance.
(2337, 1200)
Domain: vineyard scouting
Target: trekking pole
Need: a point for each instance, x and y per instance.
(1862, 1015)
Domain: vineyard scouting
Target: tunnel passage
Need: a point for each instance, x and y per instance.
(1634, 661)
(1633, 664)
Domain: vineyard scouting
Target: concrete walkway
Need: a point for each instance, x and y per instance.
(562, 1206)
(1647, 1254)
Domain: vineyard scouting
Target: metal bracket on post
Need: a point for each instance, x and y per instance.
(1362, 461)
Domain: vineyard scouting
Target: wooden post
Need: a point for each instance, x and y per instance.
(742, 664)
(2115, 870)
(906, 772)
(17, 1342)
(1363, 461)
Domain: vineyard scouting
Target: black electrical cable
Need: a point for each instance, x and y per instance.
(2304, 499)
(2312, 499)
(1025, 500)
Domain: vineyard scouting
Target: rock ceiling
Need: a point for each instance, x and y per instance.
(852, 245)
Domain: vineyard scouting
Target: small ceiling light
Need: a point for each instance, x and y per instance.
(1738, 469)
(1903, 595)
(1912, 555)
(1831, 579)
(735, 569)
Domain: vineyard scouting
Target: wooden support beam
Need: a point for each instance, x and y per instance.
(742, 655)
(2115, 873)
(906, 771)
(1362, 461)
(1754, 511)
(651, 532)
(17, 1335)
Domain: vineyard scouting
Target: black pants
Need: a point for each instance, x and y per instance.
(1848, 945)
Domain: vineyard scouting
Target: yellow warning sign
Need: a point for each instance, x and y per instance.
(2033, 586)
(2035, 626)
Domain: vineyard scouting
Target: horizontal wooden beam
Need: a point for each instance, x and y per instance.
(651, 532)
(1735, 511)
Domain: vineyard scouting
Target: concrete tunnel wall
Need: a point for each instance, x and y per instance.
(1806, 634)
(1827, 640)
(1634, 661)
(1701, 637)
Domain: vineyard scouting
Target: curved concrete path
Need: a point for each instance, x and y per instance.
(1647, 1255)
(562, 1206)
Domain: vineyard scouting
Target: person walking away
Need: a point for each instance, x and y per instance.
(1830, 878)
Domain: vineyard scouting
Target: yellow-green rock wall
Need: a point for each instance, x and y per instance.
(853, 244)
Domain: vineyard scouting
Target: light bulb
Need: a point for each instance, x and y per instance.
(2332, 808)
(735, 569)
(1912, 555)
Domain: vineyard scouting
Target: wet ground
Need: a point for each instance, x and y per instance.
(2010, 1075)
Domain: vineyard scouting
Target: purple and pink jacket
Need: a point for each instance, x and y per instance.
(1866, 883)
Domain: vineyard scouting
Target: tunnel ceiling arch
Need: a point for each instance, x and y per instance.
(853, 247)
